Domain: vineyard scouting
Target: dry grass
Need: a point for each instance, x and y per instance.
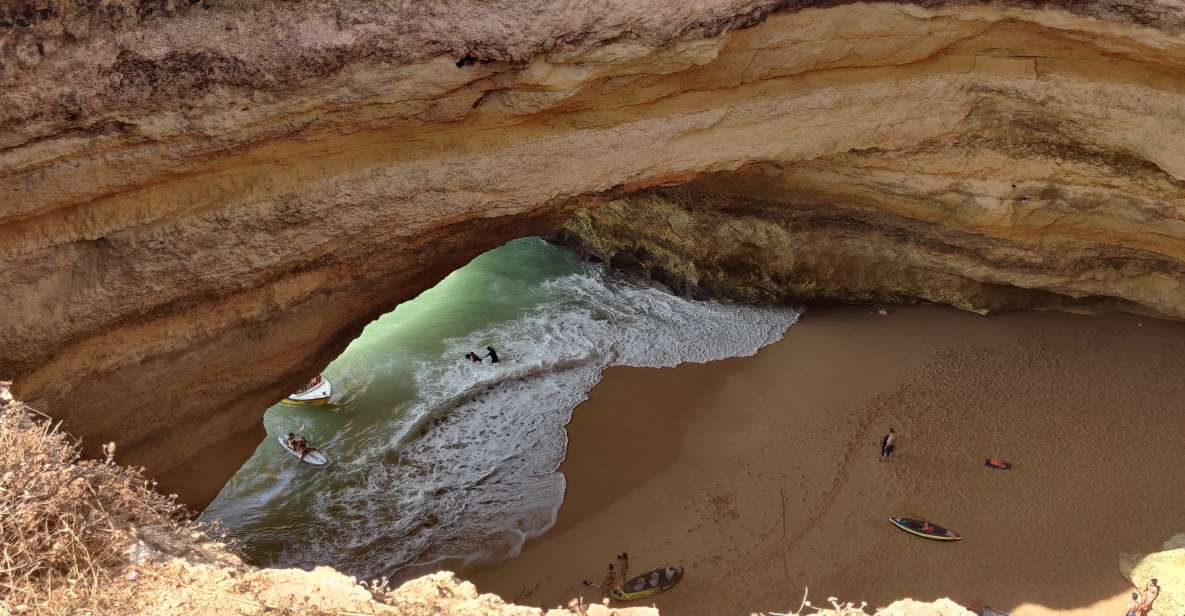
(65, 524)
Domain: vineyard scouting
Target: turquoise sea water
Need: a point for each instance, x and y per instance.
(435, 457)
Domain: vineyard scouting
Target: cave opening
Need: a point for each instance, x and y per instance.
(433, 457)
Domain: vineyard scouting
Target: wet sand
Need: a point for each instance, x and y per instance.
(761, 474)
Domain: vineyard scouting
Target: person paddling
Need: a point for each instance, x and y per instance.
(299, 445)
(887, 445)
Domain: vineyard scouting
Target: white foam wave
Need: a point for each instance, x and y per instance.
(470, 472)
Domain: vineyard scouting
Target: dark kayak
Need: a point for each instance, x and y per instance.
(648, 584)
(915, 527)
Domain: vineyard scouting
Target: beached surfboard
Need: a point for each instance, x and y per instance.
(914, 527)
(648, 584)
(313, 456)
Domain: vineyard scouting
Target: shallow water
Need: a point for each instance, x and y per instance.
(435, 457)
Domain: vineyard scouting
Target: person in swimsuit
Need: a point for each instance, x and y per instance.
(1151, 592)
(299, 445)
(610, 580)
(887, 445)
(1133, 608)
(473, 357)
(315, 381)
(292, 443)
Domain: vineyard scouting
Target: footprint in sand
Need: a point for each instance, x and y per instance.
(720, 504)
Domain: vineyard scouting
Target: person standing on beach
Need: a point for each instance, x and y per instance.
(887, 445)
(610, 581)
(623, 565)
(1151, 592)
(1133, 608)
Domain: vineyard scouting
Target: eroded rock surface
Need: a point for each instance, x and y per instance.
(203, 202)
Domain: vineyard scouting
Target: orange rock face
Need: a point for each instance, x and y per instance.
(200, 205)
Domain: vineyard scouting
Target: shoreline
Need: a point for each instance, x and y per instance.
(760, 474)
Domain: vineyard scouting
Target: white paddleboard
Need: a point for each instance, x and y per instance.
(313, 456)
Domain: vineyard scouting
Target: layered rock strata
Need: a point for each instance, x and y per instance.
(204, 201)
(769, 233)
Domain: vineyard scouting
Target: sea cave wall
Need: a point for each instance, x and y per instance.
(203, 202)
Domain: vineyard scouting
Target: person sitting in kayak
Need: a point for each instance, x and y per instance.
(493, 355)
(927, 527)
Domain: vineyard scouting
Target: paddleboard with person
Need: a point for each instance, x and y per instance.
(300, 447)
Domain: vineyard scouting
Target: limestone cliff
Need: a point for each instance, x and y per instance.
(735, 236)
(204, 201)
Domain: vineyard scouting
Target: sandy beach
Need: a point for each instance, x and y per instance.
(761, 474)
